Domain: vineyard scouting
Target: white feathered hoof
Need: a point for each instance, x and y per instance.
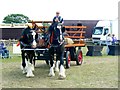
(56, 69)
(29, 75)
(29, 71)
(62, 77)
(24, 70)
(62, 72)
(51, 73)
(32, 67)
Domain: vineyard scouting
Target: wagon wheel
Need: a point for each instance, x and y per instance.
(68, 59)
(79, 57)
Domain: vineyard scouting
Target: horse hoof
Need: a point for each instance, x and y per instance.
(62, 77)
(51, 75)
(24, 71)
(29, 76)
(56, 70)
(32, 68)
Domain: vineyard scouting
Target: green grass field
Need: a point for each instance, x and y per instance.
(95, 72)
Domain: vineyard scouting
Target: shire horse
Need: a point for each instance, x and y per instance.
(28, 41)
(56, 42)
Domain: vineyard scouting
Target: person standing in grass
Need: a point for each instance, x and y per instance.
(114, 39)
(108, 42)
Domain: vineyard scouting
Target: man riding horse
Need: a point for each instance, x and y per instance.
(57, 45)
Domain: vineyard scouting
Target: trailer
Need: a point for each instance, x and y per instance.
(73, 51)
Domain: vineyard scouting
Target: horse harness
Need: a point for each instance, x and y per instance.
(56, 38)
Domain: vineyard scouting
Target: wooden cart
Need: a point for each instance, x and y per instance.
(73, 51)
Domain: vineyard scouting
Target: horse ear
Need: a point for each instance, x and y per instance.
(63, 29)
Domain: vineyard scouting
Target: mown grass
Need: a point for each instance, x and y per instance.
(95, 72)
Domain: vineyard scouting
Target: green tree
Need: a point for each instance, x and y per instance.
(16, 18)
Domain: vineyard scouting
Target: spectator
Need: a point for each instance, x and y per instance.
(5, 52)
(114, 39)
(108, 42)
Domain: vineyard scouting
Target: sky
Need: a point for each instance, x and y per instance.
(69, 9)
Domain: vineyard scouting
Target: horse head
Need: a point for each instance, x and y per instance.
(56, 34)
(32, 38)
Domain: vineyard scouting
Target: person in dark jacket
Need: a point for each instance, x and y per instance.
(114, 39)
(58, 18)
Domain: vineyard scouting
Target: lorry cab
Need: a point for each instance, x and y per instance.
(99, 34)
(101, 31)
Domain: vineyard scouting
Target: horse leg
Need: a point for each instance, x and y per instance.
(51, 55)
(62, 69)
(57, 63)
(30, 66)
(23, 66)
(32, 60)
(29, 71)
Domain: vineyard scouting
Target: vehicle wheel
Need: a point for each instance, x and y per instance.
(79, 57)
(68, 59)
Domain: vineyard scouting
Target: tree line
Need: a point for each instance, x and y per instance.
(15, 18)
